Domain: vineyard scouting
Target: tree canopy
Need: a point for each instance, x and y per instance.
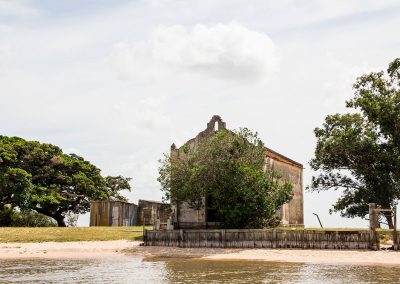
(359, 151)
(228, 170)
(40, 177)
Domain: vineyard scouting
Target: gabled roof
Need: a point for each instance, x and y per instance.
(279, 157)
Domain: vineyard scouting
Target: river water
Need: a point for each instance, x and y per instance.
(135, 270)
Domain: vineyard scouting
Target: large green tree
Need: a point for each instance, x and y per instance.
(359, 151)
(40, 177)
(228, 169)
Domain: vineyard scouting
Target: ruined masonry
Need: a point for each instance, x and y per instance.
(291, 213)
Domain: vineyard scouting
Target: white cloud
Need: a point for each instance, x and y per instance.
(72, 151)
(228, 51)
(16, 8)
(5, 51)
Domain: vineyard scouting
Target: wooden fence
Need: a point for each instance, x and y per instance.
(262, 238)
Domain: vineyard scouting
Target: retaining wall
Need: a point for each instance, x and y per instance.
(254, 238)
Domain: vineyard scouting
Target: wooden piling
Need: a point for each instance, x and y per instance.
(261, 238)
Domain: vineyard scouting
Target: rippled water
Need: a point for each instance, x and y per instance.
(136, 270)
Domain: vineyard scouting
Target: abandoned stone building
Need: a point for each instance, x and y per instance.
(291, 213)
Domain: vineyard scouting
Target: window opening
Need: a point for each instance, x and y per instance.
(216, 126)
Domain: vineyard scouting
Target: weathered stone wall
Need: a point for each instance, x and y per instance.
(292, 212)
(156, 209)
(189, 217)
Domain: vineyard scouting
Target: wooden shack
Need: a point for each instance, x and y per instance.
(113, 213)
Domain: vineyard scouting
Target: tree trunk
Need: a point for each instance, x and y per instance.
(60, 221)
(389, 219)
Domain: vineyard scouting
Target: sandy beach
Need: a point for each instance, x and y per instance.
(89, 249)
(111, 249)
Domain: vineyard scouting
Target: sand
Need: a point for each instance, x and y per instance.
(112, 249)
(90, 249)
(315, 256)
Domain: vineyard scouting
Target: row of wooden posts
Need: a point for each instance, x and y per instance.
(271, 238)
(305, 239)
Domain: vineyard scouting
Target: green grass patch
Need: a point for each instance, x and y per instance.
(69, 234)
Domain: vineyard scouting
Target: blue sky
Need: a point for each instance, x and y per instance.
(119, 81)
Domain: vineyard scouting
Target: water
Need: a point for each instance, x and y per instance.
(136, 270)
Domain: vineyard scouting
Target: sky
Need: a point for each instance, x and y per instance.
(118, 82)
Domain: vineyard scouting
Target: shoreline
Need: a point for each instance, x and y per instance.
(65, 250)
(124, 248)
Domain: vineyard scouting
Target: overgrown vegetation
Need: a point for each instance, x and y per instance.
(226, 170)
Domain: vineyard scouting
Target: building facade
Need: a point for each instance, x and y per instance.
(149, 211)
(291, 213)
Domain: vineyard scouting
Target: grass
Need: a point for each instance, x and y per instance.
(69, 234)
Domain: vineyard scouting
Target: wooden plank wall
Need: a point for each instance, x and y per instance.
(306, 239)
(113, 213)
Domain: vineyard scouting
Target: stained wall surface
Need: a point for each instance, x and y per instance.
(189, 217)
(149, 211)
(113, 213)
(291, 213)
(256, 238)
